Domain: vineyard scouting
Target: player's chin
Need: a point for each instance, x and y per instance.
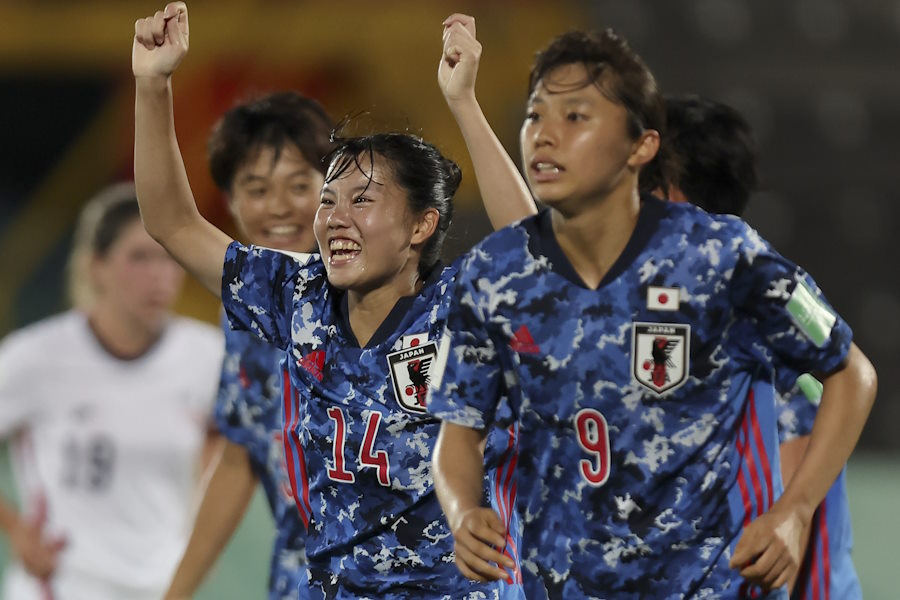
(155, 314)
(551, 197)
(341, 277)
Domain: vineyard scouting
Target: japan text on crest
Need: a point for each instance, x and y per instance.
(661, 355)
(410, 369)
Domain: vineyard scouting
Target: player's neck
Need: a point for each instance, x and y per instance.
(123, 337)
(368, 310)
(594, 236)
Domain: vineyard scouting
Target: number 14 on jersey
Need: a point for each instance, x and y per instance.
(368, 456)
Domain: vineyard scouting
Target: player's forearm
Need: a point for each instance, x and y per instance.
(210, 456)
(458, 466)
(506, 196)
(846, 402)
(167, 203)
(168, 209)
(791, 454)
(223, 506)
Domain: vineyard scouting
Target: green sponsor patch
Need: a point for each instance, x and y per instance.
(810, 314)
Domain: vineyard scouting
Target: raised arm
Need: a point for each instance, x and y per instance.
(168, 209)
(506, 196)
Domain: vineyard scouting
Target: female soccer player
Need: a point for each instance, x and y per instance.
(358, 323)
(266, 158)
(715, 148)
(108, 405)
(634, 339)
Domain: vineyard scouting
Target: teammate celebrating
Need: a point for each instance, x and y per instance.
(109, 432)
(716, 151)
(358, 324)
(266, 157)
(635, 339)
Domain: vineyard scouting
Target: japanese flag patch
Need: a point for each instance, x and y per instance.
(663, 298)
(414, 339)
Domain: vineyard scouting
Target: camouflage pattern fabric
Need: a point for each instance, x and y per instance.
(362, 438)
(646, 407)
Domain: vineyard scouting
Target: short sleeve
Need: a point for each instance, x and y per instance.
(17, 372)
(247, 387)
(258, 287)
(466, 385)
(796, 415)
(790, 311)
(227, 410)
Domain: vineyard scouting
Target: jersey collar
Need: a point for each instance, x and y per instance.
(394, 319)
(543, 242)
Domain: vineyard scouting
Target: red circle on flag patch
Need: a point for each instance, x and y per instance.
(663, 298)
(414, 343)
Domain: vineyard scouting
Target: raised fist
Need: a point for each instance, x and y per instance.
(459, 60)
(160, 41)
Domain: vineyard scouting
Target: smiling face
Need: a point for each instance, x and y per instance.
(274, 201)
(368, 236)
(575, 141)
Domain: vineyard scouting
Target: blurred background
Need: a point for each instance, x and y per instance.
(819, 80)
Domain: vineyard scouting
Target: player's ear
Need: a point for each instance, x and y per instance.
(644, 148)
(425, 225)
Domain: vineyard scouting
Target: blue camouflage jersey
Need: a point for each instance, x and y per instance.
(646, 406)
(827, 571)
(361, 438)
(249, 413)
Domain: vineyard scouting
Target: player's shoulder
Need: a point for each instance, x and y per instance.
(199, 334)
(57, 331)
(506, 248)
(690, 217)
(519, 230)
(718, 233)
(259, 265)
(297, 259)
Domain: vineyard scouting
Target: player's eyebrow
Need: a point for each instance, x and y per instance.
(357, 189)
(253, 177)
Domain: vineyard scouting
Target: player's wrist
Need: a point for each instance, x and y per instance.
(457, 518)
(462, 104)
(797, 505)
(150, 83)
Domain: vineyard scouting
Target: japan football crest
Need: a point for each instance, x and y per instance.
(660, 355)
(410, 369)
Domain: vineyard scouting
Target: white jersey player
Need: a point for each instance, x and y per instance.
(107, 409)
